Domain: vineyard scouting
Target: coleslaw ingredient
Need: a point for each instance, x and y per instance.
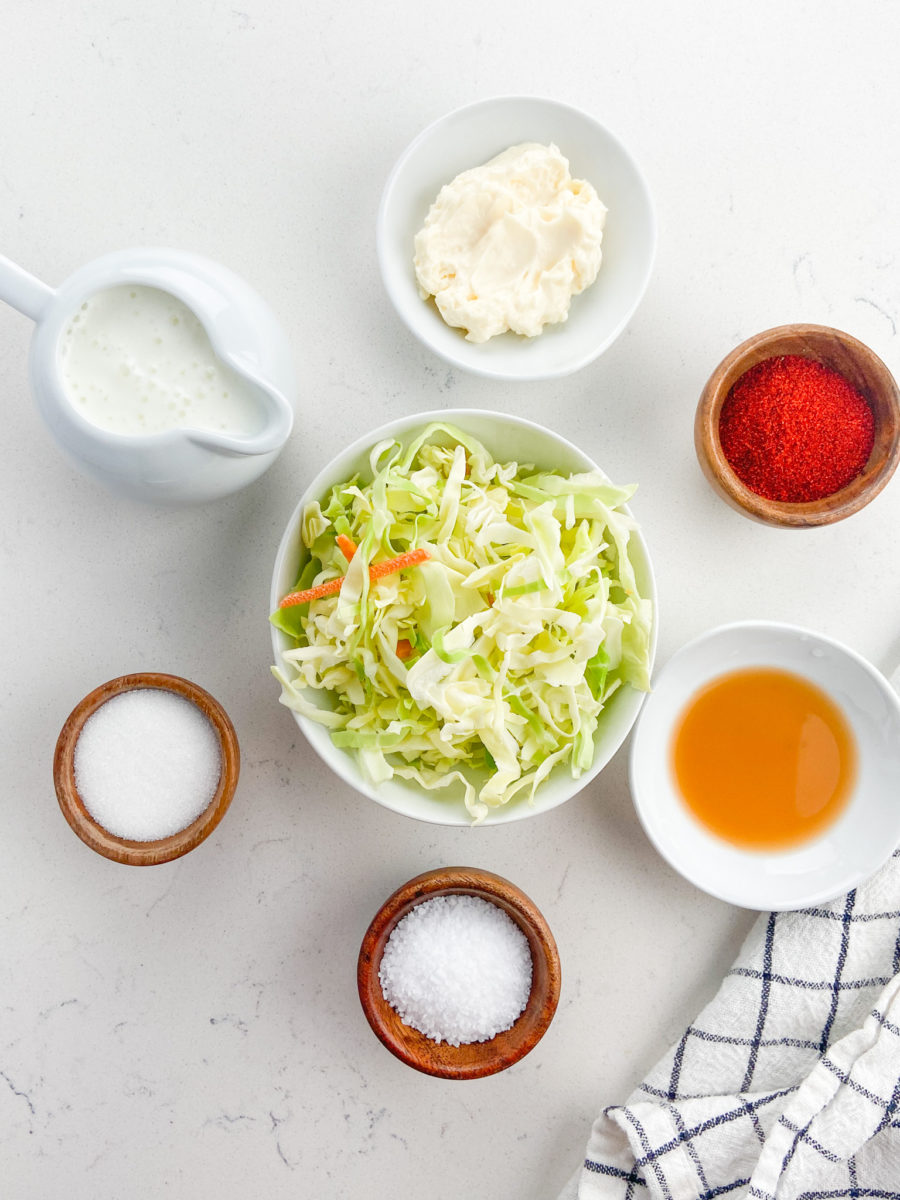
(457, 968)
(522, 622)
(506, 245)
(376, 571)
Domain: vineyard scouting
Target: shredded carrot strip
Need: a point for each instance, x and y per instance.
(404, 649)
(331, 588)
(377, 571)
(346, 545)
(412, 558)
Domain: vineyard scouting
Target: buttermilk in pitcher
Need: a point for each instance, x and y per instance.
(137, 361)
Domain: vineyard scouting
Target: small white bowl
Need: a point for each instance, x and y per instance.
(851, 849)
(469, 137)
(507, 438)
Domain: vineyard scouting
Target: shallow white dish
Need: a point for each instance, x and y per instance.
(507, 438)
(846, 853)
(469, 137)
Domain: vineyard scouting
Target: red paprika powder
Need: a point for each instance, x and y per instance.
(794, 430)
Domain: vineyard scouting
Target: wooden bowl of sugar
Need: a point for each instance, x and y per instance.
(464, 955)
(145, 768)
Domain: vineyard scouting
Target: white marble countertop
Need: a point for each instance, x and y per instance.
(194, 1029)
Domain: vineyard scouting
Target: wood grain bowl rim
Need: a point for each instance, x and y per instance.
(473, 1060)
(124, 850)
(814, 342)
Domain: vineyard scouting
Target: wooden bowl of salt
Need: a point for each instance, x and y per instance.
(145, 768)
(431, 994)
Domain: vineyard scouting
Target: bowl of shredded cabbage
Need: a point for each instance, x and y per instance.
(463, 617)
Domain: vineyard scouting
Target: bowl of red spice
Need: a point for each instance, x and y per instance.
(799, 426)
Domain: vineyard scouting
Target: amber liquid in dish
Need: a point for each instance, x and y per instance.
(763, 758)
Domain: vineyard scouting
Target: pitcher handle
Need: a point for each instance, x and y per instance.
(23, 291)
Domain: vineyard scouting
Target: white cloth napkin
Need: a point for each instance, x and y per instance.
(787, 1086)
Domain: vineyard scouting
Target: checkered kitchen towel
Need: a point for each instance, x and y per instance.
(787, 1086)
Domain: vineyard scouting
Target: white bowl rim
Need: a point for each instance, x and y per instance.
(340, 762)
(738, 896)
(462, 361)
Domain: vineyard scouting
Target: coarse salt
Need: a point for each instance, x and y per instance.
(457, 968)
(147, 763)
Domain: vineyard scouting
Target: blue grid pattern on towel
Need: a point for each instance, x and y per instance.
(804, 981)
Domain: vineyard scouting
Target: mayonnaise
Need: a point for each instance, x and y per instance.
(506, 246)
(135, 360)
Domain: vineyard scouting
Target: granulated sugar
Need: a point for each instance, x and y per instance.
(147, 763)
(457, 968)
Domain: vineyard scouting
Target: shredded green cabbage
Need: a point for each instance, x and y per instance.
(523, 622)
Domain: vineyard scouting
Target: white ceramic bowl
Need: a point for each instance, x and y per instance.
(507, 438)
(469, 137)
(851, 849)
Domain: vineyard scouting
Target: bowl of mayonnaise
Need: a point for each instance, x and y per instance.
(516, 238)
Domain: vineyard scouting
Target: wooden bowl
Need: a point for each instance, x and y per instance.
(860, 366)
(475, 1059)
(122, 850)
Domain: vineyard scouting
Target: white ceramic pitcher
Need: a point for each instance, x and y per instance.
(181, 465)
